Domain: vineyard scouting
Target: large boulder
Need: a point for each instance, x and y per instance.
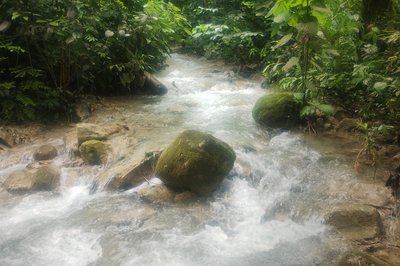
(355, 221)
(277, 110)
(196, 161)
(94, 152)
(45, 152)
(45, 178)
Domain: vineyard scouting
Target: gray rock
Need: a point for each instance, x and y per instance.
(131, 175)
(6, 137)
(355, 221)
(45, 178)
(86, 131)
(45, 152)
(157, 194)
(153, 86)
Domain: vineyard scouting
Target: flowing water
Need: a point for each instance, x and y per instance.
(269, 211)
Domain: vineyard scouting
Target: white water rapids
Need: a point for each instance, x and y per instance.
(269, 211)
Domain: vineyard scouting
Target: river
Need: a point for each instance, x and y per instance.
(269, 211)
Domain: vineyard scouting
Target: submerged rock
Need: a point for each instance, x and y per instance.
(45, 152)
(157, 194)
(94, 152)
(277, 110)
(128, 176)
(358, 258)
(196, 161)
(355, 221)
(45, 178)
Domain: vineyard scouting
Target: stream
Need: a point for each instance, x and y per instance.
(268, 211)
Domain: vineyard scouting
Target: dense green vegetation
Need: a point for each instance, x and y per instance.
(335, 55)
(51, 51)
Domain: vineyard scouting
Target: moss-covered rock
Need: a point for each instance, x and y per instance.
(277, 110)
(196, 161)
(94, 152)
(355, 221)
(45, 178)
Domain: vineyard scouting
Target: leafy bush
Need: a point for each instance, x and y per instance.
(54, 50)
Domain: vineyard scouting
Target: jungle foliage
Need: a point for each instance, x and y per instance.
(336, 55)
(51, 51)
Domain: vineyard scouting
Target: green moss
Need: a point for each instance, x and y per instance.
(195, 161)
(94, 152)
(277, 110)
(45, 178)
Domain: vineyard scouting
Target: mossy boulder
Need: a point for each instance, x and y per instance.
(45, 178)
(195, 161)
(355, 221)
(277, 110)
(94, 152)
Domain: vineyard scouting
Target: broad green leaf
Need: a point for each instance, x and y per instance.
(284, 40)
(291, 63)
(380, 86)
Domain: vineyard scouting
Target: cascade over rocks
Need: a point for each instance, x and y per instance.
(196, 161)
(94, 152)
(355, 221)
(277, 110)
(45, 178)
(45, 152)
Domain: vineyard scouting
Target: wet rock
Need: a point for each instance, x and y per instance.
(397, 232)
(355, 221)
(6, 137)
(45, 152)
(371, 194)
(81, 110)
(86, 131)
(185, 197)
(45, 178)
(348, 125)
(358, 258)
(153, 86)
(196, 161)
(157, 194)
(132, 175)
(94, 152)
(277, 110)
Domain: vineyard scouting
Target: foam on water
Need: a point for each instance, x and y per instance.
(264, 213)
